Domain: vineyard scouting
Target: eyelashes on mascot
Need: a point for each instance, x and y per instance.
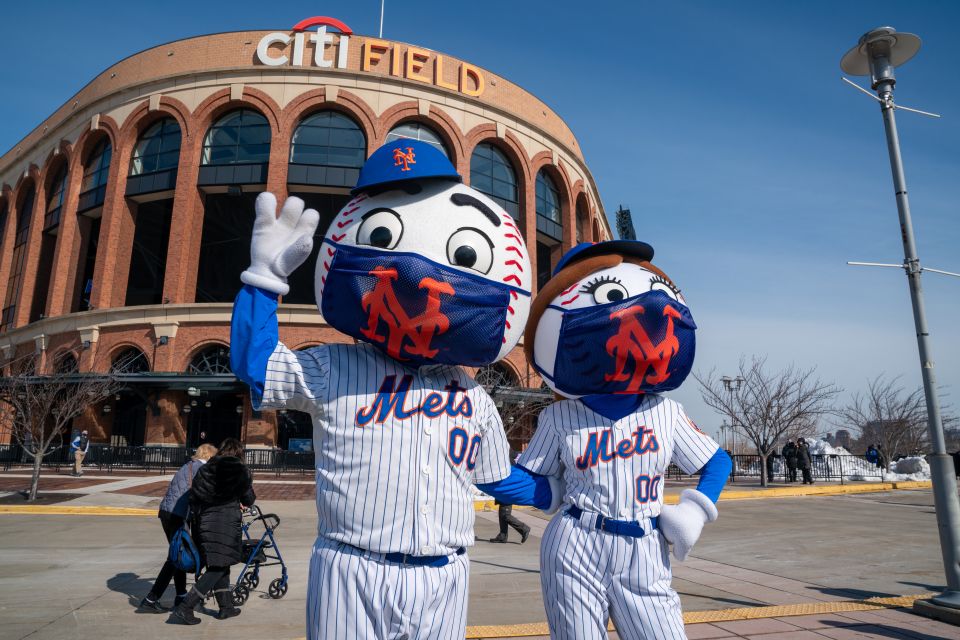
(610, 322)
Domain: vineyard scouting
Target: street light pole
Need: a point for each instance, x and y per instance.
(877, 54)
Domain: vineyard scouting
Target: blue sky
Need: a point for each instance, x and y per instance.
(751, 168)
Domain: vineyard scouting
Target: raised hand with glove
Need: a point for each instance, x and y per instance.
(280, 244)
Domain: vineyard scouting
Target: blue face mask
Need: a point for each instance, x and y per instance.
(413, 309)
(644, 344)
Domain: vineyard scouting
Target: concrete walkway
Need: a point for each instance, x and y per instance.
(777, 568)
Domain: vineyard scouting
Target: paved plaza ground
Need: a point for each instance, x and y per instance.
(80, 576)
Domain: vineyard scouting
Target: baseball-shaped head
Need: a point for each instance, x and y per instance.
(425, 268)
(609, 321)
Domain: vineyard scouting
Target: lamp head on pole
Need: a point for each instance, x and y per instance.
(878, 53)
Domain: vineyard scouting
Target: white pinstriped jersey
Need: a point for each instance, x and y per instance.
(616, 467)
(397, 449)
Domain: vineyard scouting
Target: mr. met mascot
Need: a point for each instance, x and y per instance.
(427, 275)
(611, 332)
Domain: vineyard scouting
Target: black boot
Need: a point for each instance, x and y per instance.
(500, 538)
(225, 600)
(183, 612)
(524, 534)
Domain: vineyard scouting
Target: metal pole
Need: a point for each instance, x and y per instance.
(941, 465)
(382, 2)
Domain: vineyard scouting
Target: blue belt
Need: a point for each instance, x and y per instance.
(411, 560)
(630, 528)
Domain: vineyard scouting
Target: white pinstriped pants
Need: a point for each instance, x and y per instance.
(354, 597)
(587, 576)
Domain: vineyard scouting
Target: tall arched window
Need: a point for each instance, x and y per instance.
(328, 138)
(55, 194)
(491, 173)
(549, 216)
(93, 188)
(583, 215)
(157, 149)
(417, 131)
(240, 137)
(24, 211)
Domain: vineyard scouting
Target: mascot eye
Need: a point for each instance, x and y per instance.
(380, 228)
(606, 290)
(470, 248)
(659, 283)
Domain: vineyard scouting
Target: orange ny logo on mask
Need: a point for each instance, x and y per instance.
(412, 335)
(631, 344)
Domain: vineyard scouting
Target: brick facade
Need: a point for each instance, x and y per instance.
(196, 81)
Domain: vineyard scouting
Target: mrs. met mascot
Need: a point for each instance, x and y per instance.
(611, 332)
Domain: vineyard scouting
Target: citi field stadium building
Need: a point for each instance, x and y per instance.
(126, 216)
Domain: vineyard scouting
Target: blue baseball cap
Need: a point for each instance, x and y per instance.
(402, 160)
(585, 250)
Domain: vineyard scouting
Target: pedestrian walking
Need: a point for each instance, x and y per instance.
(872, 455)
(507, 519)
(174, 509)
(220, 489)
(770, 460)
(804, 461)
(79, 448)
(790, 458)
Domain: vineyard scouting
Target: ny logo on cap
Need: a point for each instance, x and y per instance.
(405, 159)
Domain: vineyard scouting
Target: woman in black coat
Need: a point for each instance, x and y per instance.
(220, 489)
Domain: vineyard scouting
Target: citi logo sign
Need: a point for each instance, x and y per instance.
(331, 50)
(320, 39)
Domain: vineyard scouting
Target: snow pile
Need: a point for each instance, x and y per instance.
(912, 468)
(853, 467)
(824, 448)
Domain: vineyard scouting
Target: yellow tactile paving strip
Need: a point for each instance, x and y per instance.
(54, 510)
(720, 615)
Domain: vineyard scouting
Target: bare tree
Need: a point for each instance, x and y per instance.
(37, 408)
(891, 417)
(518, 403)
(767, 406)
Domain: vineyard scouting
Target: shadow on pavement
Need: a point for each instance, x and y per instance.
(132, 585)
(935, 588)
(884, 631)
(853, 594)
(733, 601)
(503, 566)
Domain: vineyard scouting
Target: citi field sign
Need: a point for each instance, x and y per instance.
(328, 47)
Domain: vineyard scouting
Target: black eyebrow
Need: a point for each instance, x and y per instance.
(466, 200)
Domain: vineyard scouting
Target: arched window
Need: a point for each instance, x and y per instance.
(240, 137)
(549, 217)
(214, 359)
(24, 211)
(55, 193)
(582, 216)
(130, 360)
(417, 131)
(157, 149)
(491, 173)
(328, 138)
(93, 188)
(65, 362)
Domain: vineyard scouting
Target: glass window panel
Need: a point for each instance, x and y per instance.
(492, 174)
(167, 160)
(222, 136)
(328, 139)
(255, 135)
(170, 141)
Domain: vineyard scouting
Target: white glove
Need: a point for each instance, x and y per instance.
(279, 244)
(682, 523)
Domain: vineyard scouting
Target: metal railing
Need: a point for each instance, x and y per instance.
(110, 458)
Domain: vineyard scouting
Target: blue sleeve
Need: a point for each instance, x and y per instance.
(714, 474)
(253, 337)
(520, 487)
